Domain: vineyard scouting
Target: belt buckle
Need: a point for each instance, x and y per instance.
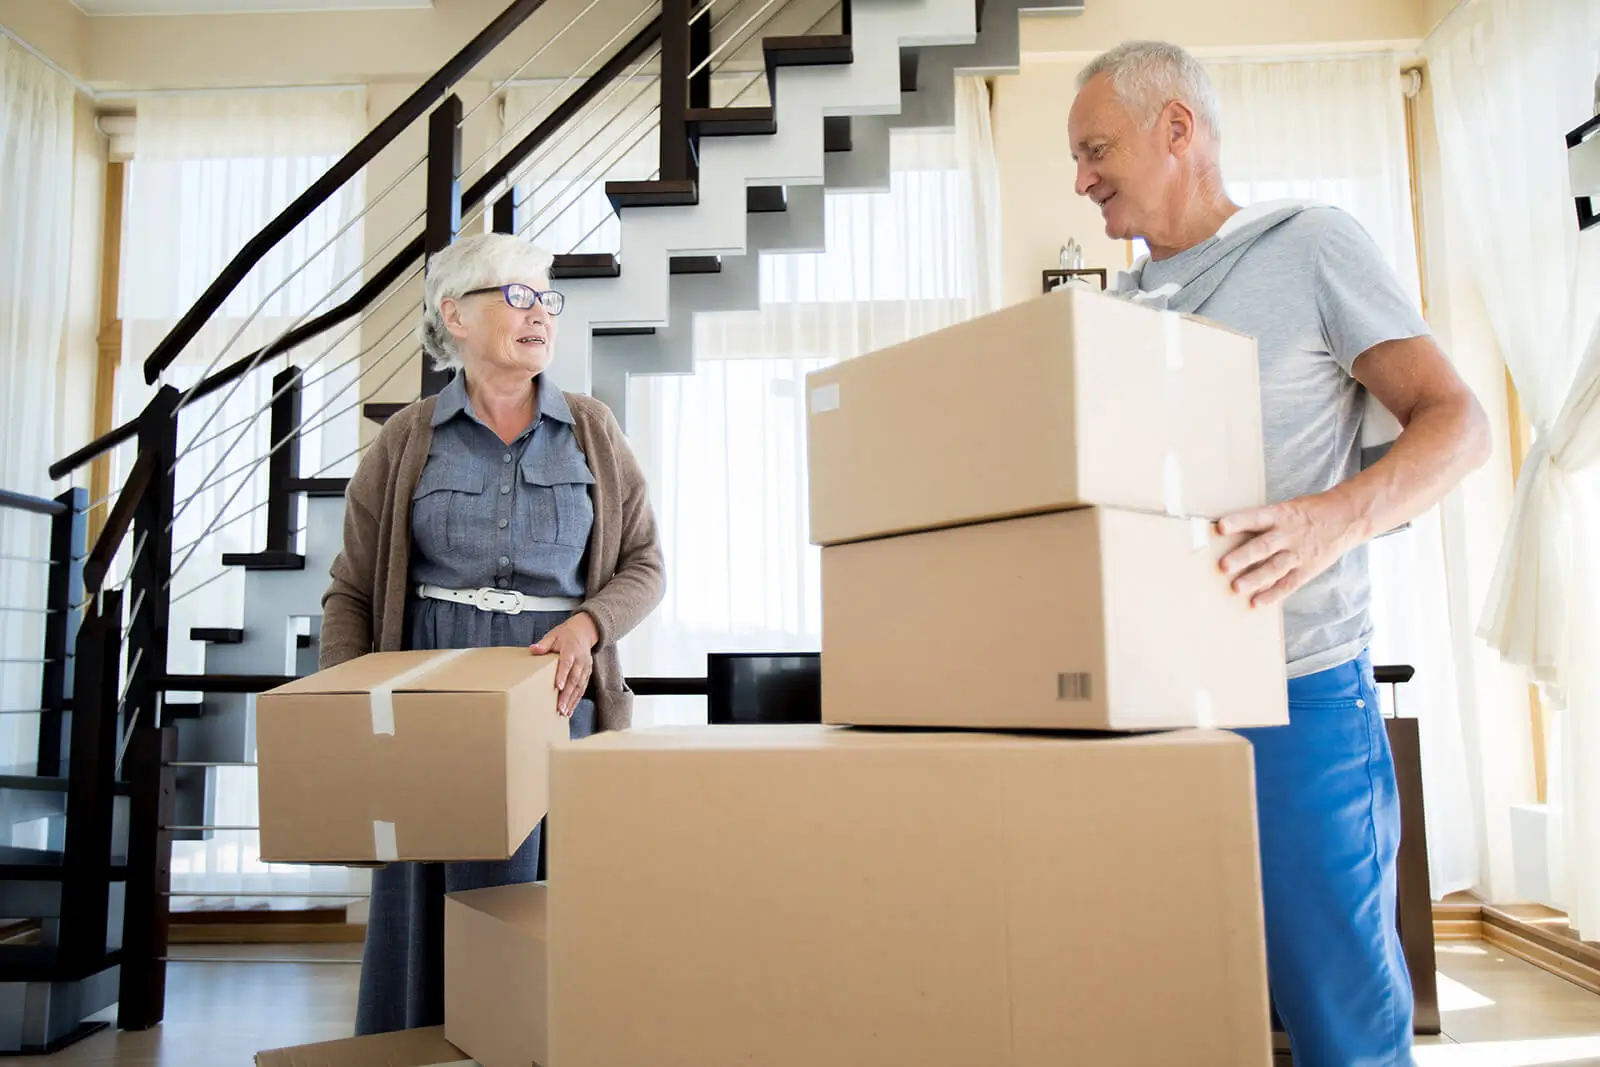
(501, 601)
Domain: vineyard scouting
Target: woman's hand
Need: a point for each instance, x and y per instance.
(574, 642)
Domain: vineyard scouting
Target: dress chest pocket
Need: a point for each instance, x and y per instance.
(554, 505)
(447, 496)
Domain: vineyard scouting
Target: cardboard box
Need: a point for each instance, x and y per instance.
(405, 1048)
(1094, 619)
(494, 974)
(790, 896)
(408, 756)
(1069, 399)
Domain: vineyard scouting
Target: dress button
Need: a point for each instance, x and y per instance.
(501, 582)
(504, 489)
(506, 458)
(503, 523)
(505, 561)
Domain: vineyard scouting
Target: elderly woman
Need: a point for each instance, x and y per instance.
(501, 512)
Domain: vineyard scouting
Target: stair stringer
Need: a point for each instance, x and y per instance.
(793, 156)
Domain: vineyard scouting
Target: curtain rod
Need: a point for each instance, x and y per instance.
(77, 83)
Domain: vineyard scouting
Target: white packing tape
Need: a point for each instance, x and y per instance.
(1204, 717)
(1199, 534)
(384, 847)
(1172, 484)
(825, 398)
(382, 698)
(1172, 338)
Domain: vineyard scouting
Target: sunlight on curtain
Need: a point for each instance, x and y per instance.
(209, 172)
(36, 115)
(724, 449)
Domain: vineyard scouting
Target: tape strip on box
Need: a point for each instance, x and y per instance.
(385, 849)
(825, 398)
(382, 698)
(1199, 534)
(1205, 717)
(1172, 485)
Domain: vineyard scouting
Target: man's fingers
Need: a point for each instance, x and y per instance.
(1253, 551)
(1279, 591)
(1264, 575)
(1246, 521)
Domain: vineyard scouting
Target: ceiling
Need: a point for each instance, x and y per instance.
(217, 7)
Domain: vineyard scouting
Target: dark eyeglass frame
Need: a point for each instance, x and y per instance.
(553, 301)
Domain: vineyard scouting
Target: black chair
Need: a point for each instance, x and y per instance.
(763, 687)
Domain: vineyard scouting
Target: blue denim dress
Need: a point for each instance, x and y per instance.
(484, 514)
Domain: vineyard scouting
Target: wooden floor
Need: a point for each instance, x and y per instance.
(1498, 1010)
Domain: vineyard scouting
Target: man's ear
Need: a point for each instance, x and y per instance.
(450, 314)
(1178, 120)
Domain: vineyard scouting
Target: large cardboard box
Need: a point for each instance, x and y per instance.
(1069, 399)
(408, 756)
(494, 974)
(1093, 619)
(790, 896)
(405, 1048)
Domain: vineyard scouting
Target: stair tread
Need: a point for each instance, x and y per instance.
(695, 265)
(217, 635)
(585, 265)
(678, 192)
(836, 133)
(380, 412)
(760, 199)
(319, 486)
(731, 121)
(265, 561)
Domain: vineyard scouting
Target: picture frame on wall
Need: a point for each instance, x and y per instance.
(1056, 277)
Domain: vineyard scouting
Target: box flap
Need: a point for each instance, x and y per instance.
(478, 670)
(404, 1048)
(521, 906)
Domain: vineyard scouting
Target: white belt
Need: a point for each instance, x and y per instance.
(502, 601)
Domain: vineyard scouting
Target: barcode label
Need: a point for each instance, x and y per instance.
(1072, 686)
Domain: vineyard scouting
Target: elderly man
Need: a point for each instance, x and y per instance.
(1331, 321)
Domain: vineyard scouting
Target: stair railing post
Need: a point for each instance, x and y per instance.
(700, 53)
(149, 577)
(677, 161)
(86, 860)
(507, 215)
(69, 544)
(443, 221)
(284, 464)
(146, 916)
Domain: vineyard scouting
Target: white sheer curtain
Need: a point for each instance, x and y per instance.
(209, 171)
(1334, 130)
(36, 113)
(1510, 78)
(724, 449)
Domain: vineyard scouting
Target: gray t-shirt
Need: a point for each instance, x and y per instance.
(1315, 293)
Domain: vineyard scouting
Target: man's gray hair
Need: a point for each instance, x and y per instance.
(1149, 75)
(475, 262)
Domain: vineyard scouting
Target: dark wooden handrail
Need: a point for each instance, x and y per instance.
(36, 504)
(317, 193)
(408, 256)
(118, 522)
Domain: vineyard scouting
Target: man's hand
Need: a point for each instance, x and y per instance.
(574, 642)
(1294, 542)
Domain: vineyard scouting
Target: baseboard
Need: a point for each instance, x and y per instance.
(308, 926)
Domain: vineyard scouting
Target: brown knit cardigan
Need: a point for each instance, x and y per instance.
(364, 608)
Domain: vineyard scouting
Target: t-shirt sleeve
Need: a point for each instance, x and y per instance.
(1359, 300)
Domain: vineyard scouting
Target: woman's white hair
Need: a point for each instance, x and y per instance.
(1149, 75)
(475, 262)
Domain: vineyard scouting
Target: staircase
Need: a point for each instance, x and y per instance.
(129, 750)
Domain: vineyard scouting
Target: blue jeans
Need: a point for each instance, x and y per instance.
(1329, 815)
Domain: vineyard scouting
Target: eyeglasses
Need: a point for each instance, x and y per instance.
(522, 297)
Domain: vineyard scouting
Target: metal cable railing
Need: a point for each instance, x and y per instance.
(210, 527)
(262, 354)
(394, 290)
(216, 360)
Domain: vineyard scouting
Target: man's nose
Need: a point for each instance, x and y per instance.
(1086, 179)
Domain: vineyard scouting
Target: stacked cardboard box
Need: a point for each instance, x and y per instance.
(1014, 520)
